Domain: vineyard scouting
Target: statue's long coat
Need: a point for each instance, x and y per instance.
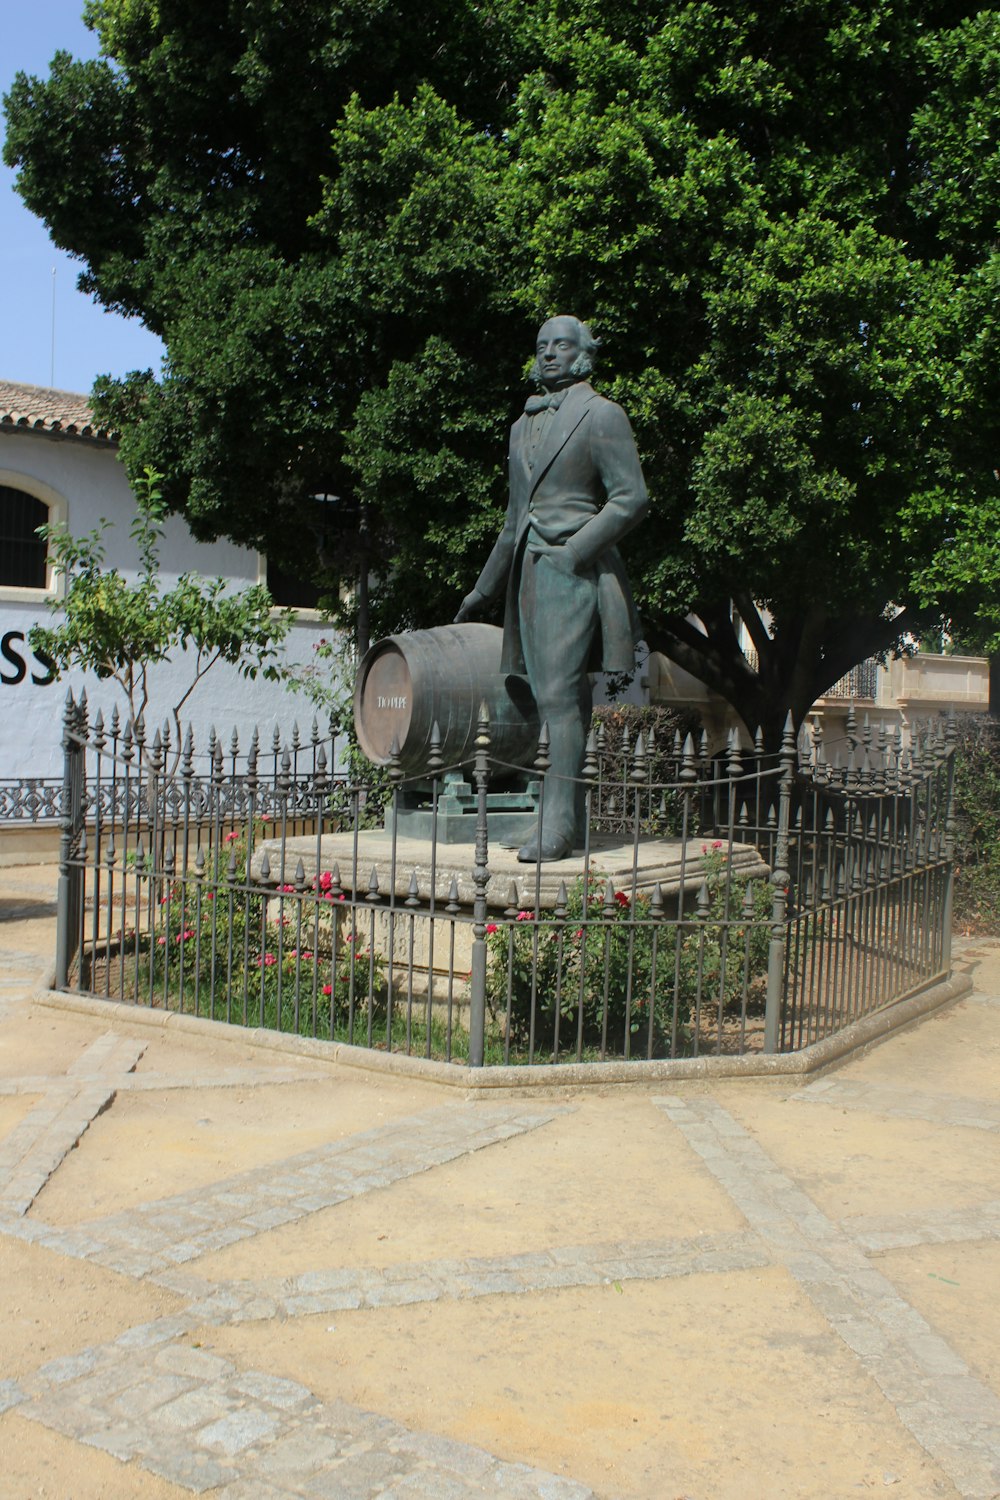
(586, 492)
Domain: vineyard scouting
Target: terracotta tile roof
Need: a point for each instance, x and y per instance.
(34, 408)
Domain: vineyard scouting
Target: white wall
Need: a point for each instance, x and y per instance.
(84, 482)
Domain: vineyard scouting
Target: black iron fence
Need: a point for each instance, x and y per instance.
(719, 904)
(115, 793)
(31, 799)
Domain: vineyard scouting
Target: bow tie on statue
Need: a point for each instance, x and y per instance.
(552, 402)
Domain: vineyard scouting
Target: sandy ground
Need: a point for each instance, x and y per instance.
(729, 1385)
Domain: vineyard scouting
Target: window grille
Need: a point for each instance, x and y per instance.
(23, 555)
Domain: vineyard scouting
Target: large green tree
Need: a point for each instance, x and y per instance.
(345, 219)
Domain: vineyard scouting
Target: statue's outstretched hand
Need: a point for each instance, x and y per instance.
(470, 606)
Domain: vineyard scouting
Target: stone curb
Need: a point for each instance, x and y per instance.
(861, 1034)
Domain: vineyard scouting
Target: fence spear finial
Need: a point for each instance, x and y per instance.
(640, 766)
(590, 762)
(435, 760)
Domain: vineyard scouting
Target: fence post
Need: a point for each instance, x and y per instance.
(477, 977)
(951, 742)
(67, 890)
(780, 877)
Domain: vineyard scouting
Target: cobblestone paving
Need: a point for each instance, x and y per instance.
(475, 1276)
(935, 1226)
(950, 1412)
(157, 1236)
(205, 1424)
(201, 1422)
(197, 1420)
(32, 1151)
(900, 1104)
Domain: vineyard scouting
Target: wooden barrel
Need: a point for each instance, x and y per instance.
(408, 682)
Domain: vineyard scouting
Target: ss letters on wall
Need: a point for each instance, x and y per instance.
(14, 652)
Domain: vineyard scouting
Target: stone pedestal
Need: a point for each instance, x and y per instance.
(658, 862)
(418, 944)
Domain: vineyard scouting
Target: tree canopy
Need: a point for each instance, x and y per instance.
(347, 219)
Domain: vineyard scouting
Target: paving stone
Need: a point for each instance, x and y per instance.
(69, 1366)
(40, 1142)
(257, 1489)
(272, 1218)
(260, 1309)
(518, 1482)
(286, 1395)
(423, 1486)
(122, 1442)
(194, 1471)
(339, 1484)
(195, 1409)
(159, 1331)
(357, 1428)
(326, 1281)
(293, 1456)
(904, 1104)
(239, 1430)
(930, 1227)
(307, 1306)
(443, 1452)
(400, 1295)
(11, 1395)
(111, 1054)
(192, 1418)
(57, 1409)
(197, 1364)
(149, 1395)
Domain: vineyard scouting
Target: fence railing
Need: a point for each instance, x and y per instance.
(31, 799)
(124, 745)
(718, 905)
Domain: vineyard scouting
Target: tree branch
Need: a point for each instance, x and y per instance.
(756, 629)
(720, 665)
(852, 641)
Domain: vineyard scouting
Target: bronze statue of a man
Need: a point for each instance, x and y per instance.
(576, 488)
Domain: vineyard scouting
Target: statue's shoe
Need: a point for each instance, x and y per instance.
(553, 847)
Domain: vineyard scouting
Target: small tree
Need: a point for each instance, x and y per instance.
(119, 629)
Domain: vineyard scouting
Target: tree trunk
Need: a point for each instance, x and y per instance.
(798, 659)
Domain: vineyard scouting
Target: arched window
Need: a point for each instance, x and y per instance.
(23, 555)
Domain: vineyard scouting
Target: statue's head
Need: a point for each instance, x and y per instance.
(564, 352)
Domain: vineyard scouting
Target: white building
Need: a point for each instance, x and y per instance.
(57, 465)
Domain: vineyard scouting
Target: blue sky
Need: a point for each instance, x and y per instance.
(88, 341)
